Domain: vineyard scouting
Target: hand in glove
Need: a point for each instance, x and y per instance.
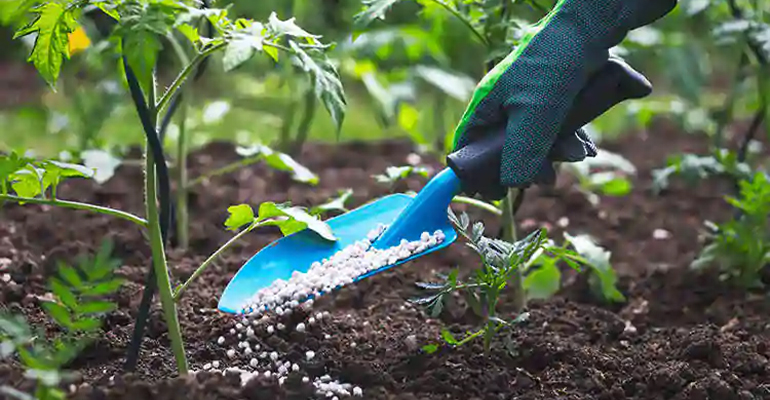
(529, 95)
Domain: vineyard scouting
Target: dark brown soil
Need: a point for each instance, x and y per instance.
(679, 336)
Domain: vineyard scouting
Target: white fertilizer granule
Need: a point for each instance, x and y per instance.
(341, 269)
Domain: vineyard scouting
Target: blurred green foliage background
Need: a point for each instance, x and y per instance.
(410, 75)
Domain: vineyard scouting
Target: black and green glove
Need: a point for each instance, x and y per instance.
(530, 93)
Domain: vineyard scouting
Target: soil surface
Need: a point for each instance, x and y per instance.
(678, 336)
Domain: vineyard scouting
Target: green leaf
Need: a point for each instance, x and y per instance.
(240, 215)
(246, 38)
(46, 377)
(103, 288)
(394, 174)
(408, 119)
(543, 282)
(475, 303)
(141, 26)
(430, 285)
(53, 24)
(28, 182)
(10, 164)
(424, 300)
(294, 220)
(617, 186)
(141, 49)
(63, 293)
(447, 336)
(59, 313)
(13, 12)
(14, 327)
(335, 204)
(326, 83)
(102, 264)
(86, 324)
(70, 275)
(190, 32)
(96, 307)
(455, 85)
(437, 306)
(277, 28)
(281, 162)
(373, 9)
(599, 260)
(108, 8)
(430, 348)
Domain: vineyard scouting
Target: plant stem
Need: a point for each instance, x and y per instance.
(161, 270)
(188, 69)
(478, 203)
(726, 115)
(77, 206)
(158, 252)
(509, 203)
(183, 217)
(462, 19)
(212, 257)
(182, 212)
(234, 166)
(508, 220)
(470, 337)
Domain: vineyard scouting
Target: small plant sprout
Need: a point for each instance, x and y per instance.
(740, 247)
(394, 174)
(341, 269)
(78, 305)
(525, 268)
(606, 174)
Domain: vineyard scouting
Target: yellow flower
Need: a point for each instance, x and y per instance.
(78, 40)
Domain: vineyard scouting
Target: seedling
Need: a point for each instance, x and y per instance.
(740, 247)
(606, 174)
(527, 269)
(79, 302)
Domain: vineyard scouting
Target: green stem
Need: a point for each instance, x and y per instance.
(470, 337)
(161, 271)
(182, 212)
(183, 220)
(77, 206)
(212, 257)
(508, 220)
(478, 203)
(158, 251)
(509, 234)
(726, 115)
(180, 79)
(464, 20)
(226, 169)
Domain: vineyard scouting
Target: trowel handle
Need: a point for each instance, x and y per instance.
(477, 165)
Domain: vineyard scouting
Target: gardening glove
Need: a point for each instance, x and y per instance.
(615, 82)
(530, 93)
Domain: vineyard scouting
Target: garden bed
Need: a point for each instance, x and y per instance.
(679, 336)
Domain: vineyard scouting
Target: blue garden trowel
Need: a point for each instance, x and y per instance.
(469, 168)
